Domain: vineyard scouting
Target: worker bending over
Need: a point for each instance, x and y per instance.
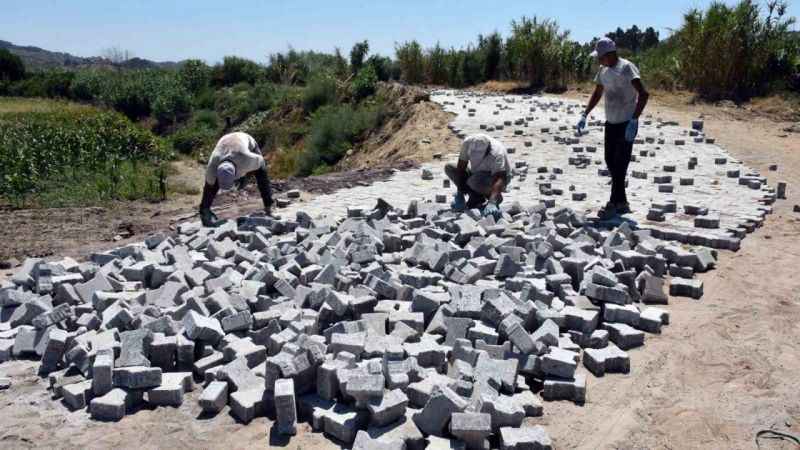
(483, 173)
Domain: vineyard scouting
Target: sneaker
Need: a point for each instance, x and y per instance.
(623, 208)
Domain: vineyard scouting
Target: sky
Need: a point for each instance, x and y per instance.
(172, 30)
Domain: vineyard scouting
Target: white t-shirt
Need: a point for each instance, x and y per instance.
(474, 151)
(620, 95)
(240, 149)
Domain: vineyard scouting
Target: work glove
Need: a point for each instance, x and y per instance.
(491, 209)
(459, 202)
(208, 218)
(581, 123)
(632, 130)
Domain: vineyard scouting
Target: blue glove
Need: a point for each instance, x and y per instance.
(632, 130)
(491, 210)
(459, 203)
(581, 123)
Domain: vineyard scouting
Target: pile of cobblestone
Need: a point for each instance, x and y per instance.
(391, 328)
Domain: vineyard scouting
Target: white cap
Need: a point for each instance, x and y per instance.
(603, 46)
(226, 175)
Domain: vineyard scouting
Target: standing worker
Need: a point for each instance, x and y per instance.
(626, 98)
(483, 172)
(235, 156)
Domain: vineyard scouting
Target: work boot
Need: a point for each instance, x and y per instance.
(608, 211)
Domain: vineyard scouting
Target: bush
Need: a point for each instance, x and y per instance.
(734, 52)
(235, 70)
(47, 84)
(364, 83)
(78, 156)
(333, 130)
(193, 138)
(195, 75)
(320, 91)
(171, 104)
(11, 66)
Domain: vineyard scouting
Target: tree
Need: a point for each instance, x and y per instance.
(491, 47)
(195, 75)
(117, 55)
(650, 39)
(410, 61)
(11, 66)
(357, 55)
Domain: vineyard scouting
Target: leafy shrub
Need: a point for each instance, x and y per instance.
(171, 104)
(195, 75)
(11, 66)
(320, 91)
(364, 83)
(333, 130)
(51, 83)
(78, 156)
(192, 138)
(734, 51)
(235, 70)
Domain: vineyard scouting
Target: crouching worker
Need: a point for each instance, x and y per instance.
(235, 156)
(483, 173)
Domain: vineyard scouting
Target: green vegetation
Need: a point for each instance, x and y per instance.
(62, 154)
(307, 109)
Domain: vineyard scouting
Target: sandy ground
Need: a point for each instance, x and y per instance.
(726, 367)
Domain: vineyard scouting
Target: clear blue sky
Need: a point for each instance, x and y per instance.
(210, 29)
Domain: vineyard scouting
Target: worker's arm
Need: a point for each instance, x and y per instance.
(643, 97)
(264, 187)
(594, 100)
(499, 181)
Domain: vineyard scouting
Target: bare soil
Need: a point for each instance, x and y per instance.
(726, 367)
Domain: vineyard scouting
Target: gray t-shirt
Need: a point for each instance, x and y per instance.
(240, 149)
(620, 95)
(476, 150)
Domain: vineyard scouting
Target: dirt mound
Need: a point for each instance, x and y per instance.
(416, 129)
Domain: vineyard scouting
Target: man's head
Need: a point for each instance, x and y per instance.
(606, 52)
(226, 175)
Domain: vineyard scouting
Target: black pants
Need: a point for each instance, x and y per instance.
(618, 157)
(264, 188)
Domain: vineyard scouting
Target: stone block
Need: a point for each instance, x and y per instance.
(472, 428)
(285, 407)
(77, 395)
(388, 408)
(606, 360)
(560, 389)
(443, 402)
(559, 363)
(624, 336)
(214, 397)
(137, 377)
(525, 438)
(247, 405)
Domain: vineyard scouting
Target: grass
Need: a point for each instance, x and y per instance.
(57, 153)
(17, 105)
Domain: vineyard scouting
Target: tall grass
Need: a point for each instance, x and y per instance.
(77, 156)
(735, 51)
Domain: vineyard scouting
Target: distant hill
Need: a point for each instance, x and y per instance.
(39, 58)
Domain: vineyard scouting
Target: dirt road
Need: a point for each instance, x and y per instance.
(726, 367)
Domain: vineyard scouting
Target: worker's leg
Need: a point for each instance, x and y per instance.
(615, 149)
(623, 160)
(458, 179)
(480, 187)
(209, 192)
(264, 187)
